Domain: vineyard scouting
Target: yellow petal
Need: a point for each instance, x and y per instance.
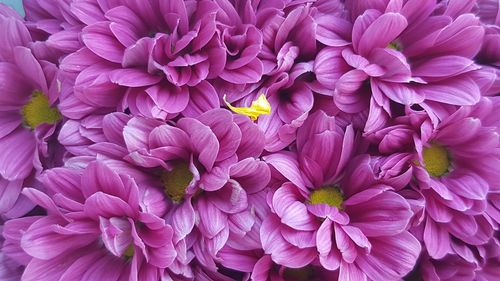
(258, 107)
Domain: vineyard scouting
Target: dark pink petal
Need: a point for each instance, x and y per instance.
(253, 175)
(202, 98)
(457, 91)
(289, 206)
(250, 73)
(101, 204)
(230, 199)
(436, 239)
(204, 141)
(99, 39)
(397, 255)
(41, 241)
(351, 272)
(9, 192)
(132, 77)
(227, 132)
(212, 220)
(388, 209)
(99, 177)
(281, 251)
(400, 93)
(444, 66)
(31, 68)
(287, 165)
(18, 151)
(381, 32)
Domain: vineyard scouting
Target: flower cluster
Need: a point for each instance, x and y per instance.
(266, 140)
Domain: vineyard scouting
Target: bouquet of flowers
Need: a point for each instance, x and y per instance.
(250, 140)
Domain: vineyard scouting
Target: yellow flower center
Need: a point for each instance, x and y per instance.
(327, 195)
(129, 252)
(436, 160)
(38, 111)
(258, 107)
(176, 181)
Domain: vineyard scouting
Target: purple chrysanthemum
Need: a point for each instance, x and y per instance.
(319, 218)
(28, 115)
(96, 223)
(153, 58)
(405, 53)
(205, 167)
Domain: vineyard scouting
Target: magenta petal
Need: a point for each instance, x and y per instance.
(400, 93)
(228, 134)
(131, 77)
(444, 66)
(381, 32)
(346, 247)
(281, 251)
(104, 205)
(9, 192)
(387, 208)
(18, 151)
(287, 203)
(230, 199)
(183, 220)
(99, 39)
(202, 98)
(286, 163)
(396, 254)
(436, 239)
(169, 98)
(253, 175)
(456, 91)
(250, 73)
(204, 141)
(212, 220)
(351, 272)
(252, 138)
(40, 240)
(99, 177)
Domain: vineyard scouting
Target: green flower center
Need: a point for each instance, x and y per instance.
(327, 195)
(436, 160)
(176, 181)
(38, 111)
(129, 252)
(395, 45)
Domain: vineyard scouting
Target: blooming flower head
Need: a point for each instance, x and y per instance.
(266, 140)
(445, 171)
(420, 59)
(97, 224)
(207, 169)
(28, 113)
(145, 61)
(337, 223)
